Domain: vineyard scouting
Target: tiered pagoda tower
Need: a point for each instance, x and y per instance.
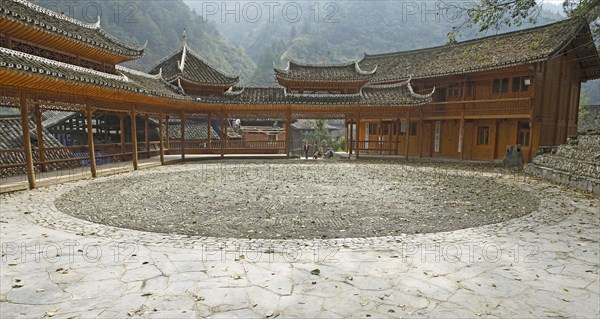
(186, 69)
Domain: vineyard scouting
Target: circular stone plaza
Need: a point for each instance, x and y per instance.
(301, 239)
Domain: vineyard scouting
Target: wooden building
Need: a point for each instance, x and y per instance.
(465, 101)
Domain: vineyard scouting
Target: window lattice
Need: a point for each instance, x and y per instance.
(2, 42)
(91, 65)
(48, 54)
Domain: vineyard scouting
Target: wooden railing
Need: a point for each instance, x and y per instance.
(479, 107)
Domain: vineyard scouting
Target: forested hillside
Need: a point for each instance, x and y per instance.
(332, 31)
(162, 24)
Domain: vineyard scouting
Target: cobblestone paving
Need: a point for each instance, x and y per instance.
(543, 264)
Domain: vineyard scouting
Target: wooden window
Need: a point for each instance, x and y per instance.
(440, 94)
(272, 137)
(372, 128)
(385, 128)
(469, 89)
(413, 128)
(521, 83)
(500, 85)
(2, 41)
(483, 135)
(403, 127)
(523, 134)
(454, 90)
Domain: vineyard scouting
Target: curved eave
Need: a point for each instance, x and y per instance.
(457, 72)
(286, 81)
(25, 80)
(204, 84)
(66, 42)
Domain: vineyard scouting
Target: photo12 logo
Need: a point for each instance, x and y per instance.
(256, 11)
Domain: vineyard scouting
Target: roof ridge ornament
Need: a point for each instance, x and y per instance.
(360, 71)
(181, 65)
(415, 95)
(97, 24)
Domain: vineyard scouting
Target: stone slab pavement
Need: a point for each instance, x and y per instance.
(545, 264)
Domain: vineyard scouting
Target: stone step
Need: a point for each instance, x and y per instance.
(570, 165)
(578, 152)
(584, 183)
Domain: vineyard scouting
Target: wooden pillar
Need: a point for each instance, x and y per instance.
(223, 134)
(351, 146)
(167, 139)
(90, 136)
(358, 136)
(208, 134)
(380, 137)
(147, 135)
(494, 140)
(397, 136)
(461, 137)
(407, 137)
(122, 131)
(182, 128)
(421, 132)
(160, 139)
(40, 137)
(288, 122)
(27, 140)
(134, 152)
(346, 136)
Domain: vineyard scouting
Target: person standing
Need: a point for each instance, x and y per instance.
(305, 148)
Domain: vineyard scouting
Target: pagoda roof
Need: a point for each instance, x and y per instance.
(350, 71)
(127, 79)
(50, 22)
(492, 52)
(400, 94)
(187, 65)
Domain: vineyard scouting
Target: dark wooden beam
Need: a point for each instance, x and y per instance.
(27, 140)
(90, 137)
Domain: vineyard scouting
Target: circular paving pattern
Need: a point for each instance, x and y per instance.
(294, 200)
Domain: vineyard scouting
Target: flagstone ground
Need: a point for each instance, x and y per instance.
(544, 263)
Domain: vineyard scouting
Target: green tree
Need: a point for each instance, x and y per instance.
(319, 136)
(496, 14)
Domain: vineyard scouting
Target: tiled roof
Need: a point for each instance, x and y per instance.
(128, 80)
(391, 95)
(11, 134)
(189, 66)
(307, 125)
(49, 21)
(329, 73)
(194, 130)
(490, 52)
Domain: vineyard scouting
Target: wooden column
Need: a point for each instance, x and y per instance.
(134, 152)
(407, 137)
(380, 137)
(167, 139)
(358, 136)
(182, 128)
(351, 146)
(40, 137)
(421, 131)
(27, 140)
(397, 135)
(90, 136)
(208, 134)
(122, 131)
(494, 139)
(160, 139)
(461, 137)
(223, 134)
(346, 136)
(288, 120)
(147, 135)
